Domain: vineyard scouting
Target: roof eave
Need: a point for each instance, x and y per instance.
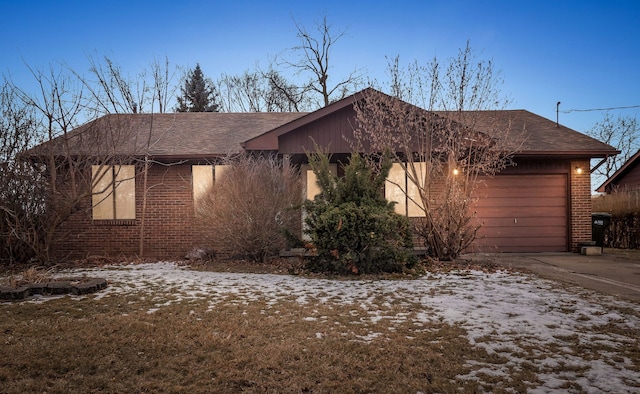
(590, 154)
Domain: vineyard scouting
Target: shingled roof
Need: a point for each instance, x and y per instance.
(211, 134)
(541, 136)
(171, 135)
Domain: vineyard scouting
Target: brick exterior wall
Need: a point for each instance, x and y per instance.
(580, 204)
(170, 230)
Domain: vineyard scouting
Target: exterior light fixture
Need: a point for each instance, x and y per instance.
(578, 170)
(456, 171)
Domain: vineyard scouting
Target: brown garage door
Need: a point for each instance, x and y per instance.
(523, 213)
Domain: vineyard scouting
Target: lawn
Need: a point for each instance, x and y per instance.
(162, 327)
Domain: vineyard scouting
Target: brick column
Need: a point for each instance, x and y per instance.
(580, 183)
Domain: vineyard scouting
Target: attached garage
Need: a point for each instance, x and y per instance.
(523, 213)
(543, 204)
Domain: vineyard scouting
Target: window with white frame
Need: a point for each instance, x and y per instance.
(113, 192)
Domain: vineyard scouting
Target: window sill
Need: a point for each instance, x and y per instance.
(114, 222)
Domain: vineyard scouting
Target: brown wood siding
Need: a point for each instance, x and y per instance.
(523, 213)
(327, 132)
(630, 180)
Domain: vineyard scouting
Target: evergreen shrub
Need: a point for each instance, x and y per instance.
(352, 227)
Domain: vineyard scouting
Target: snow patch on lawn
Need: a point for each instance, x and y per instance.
(522, 318)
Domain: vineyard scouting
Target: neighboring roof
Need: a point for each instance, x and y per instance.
(173, 135)
(620, 173)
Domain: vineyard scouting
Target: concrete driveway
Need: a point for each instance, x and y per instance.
(615, 272)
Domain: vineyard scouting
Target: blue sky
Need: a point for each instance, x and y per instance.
(585, 54)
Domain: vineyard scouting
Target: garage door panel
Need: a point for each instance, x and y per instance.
(522, 192)
(522, 213)
(520, 186)
(520, 202)
(528, 231)
(525, 180)
(533, 222)
(528, 242)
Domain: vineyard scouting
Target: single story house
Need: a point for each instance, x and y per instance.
(543, 204)
(627, 177)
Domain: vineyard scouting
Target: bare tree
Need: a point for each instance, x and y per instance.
(259, 91)
(283, 96)
(21, 193)
(110, 90)
(313, 61)
(163, 84)
(622, 133)
(431, 129)
(242, 93)
(80, 150)
(151, 91)
(60, 170)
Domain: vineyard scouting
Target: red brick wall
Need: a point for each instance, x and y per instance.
(580, 203)
(169, 229)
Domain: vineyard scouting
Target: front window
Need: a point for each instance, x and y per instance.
(405, 193)
(203, 177)
(113, 192)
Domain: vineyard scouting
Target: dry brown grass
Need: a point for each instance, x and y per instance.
(31, 275)
(618, 203)
(113, 345)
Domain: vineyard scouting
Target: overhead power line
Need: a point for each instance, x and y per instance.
(599, 109)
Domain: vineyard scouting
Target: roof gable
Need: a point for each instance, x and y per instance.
(269, 140)
(631, 166)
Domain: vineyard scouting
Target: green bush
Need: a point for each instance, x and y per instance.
(352, 227)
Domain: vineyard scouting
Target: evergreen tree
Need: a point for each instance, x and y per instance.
(353, 227)
(198, 93)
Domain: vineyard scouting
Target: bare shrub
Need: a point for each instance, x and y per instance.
(431, 124)
(251, 206)
(619, 203)
(624, 230)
